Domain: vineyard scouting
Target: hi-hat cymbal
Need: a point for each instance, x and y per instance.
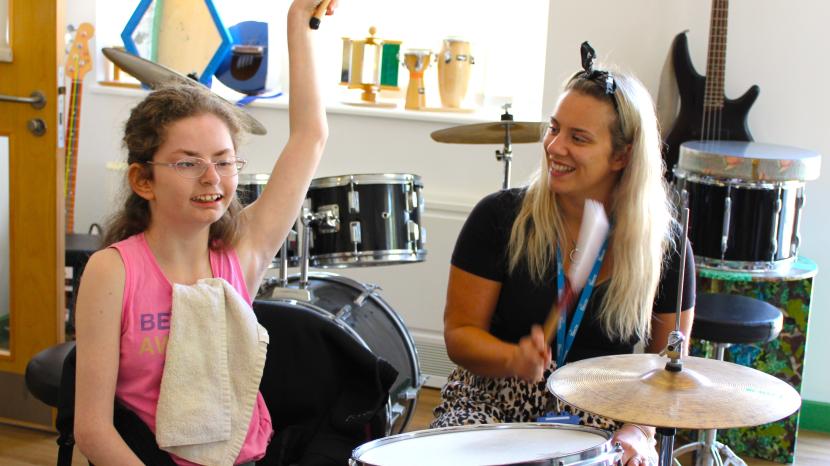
(491, 133)
(706, 394)
(153, 75)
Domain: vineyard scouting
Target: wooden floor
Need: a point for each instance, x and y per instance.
(26, 447)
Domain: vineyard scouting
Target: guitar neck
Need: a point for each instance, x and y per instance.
(71, 168)
(716, 56)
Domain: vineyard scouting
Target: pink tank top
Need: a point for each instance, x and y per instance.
(145, 326)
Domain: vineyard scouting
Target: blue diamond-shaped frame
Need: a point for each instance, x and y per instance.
(215, 61)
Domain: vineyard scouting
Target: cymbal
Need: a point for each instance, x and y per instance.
(491, 133)
(706, 394)
(153, 75)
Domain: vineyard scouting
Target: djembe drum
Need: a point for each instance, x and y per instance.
(416, 61)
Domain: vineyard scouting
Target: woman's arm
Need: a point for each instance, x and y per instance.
(98, 334)
(471, 301)
(269, 219)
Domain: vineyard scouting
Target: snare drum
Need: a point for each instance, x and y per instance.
(454, 62)
(360, 311)
(247, 191)
(745, 201)
(373, 219)
(491, 444)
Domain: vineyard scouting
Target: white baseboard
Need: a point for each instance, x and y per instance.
(432, 356)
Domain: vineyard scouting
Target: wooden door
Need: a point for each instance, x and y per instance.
(34, 226)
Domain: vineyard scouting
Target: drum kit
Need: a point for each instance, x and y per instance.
(346, 221)
(375, 219)
(669, 391)
(355, 221)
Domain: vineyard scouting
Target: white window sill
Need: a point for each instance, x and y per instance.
(339, 108)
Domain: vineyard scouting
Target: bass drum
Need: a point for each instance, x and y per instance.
(372, 322)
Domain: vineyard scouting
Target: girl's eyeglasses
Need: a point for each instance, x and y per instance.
(194, 167)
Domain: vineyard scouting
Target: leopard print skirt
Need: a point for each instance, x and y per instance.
(472, 399)
(468, 399)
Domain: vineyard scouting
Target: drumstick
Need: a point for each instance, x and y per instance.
(592, 234)
(314, 23)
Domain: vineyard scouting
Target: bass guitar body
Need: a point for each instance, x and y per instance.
(729, 121)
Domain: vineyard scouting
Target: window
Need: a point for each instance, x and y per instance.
(508, 41)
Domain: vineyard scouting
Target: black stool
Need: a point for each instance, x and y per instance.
(44, 378)
(44, 371)
(725, 320)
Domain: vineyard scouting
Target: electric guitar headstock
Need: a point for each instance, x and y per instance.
(78, 60)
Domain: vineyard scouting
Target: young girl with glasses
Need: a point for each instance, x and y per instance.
(181, 223)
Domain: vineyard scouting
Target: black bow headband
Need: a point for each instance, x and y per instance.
(603, 77)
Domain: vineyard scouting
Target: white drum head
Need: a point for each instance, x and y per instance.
(482, 445)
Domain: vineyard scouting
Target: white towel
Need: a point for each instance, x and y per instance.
(213, 365)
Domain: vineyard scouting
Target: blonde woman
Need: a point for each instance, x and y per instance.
(602, 144)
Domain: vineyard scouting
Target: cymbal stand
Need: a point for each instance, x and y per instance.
(506, 154)
(674, 347)
(326, 218)
(283, 280)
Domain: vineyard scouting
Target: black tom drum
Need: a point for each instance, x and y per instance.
(248, 190)
(745, 201)
(374, 219)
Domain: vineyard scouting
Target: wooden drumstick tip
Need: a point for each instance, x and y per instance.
(314, 23)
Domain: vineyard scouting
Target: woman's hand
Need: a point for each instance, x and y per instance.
(638, 445)
(531, 356)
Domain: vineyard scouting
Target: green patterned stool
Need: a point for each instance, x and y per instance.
(790, 290)
(725, 320)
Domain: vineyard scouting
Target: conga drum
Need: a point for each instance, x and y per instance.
(745, 201)
(416, 61)
(454, 63)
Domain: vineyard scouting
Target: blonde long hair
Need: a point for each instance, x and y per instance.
(641, 211)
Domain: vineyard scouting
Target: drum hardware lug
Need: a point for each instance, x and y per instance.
(447, 56)
(355, 231)
(408, 394)
(296, 294)
(413, 230)
(368, 289)
(776, 218)
(396, 412)
(411, 197)
(800, 200)
(344, 312)
(329, 218)
(727, 214)
(412, 201)
(354, 201)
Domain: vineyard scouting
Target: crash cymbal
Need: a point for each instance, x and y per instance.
(706, 394)
(153, 75)
(491, 133)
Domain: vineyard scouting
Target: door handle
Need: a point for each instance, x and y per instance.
(37, 99)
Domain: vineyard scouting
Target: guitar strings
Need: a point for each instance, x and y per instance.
(712, 114)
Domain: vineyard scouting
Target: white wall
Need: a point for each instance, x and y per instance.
(769, 45)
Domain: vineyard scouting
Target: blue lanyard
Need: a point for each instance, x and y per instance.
(563, 342)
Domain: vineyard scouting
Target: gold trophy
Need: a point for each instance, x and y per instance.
(370, 64)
